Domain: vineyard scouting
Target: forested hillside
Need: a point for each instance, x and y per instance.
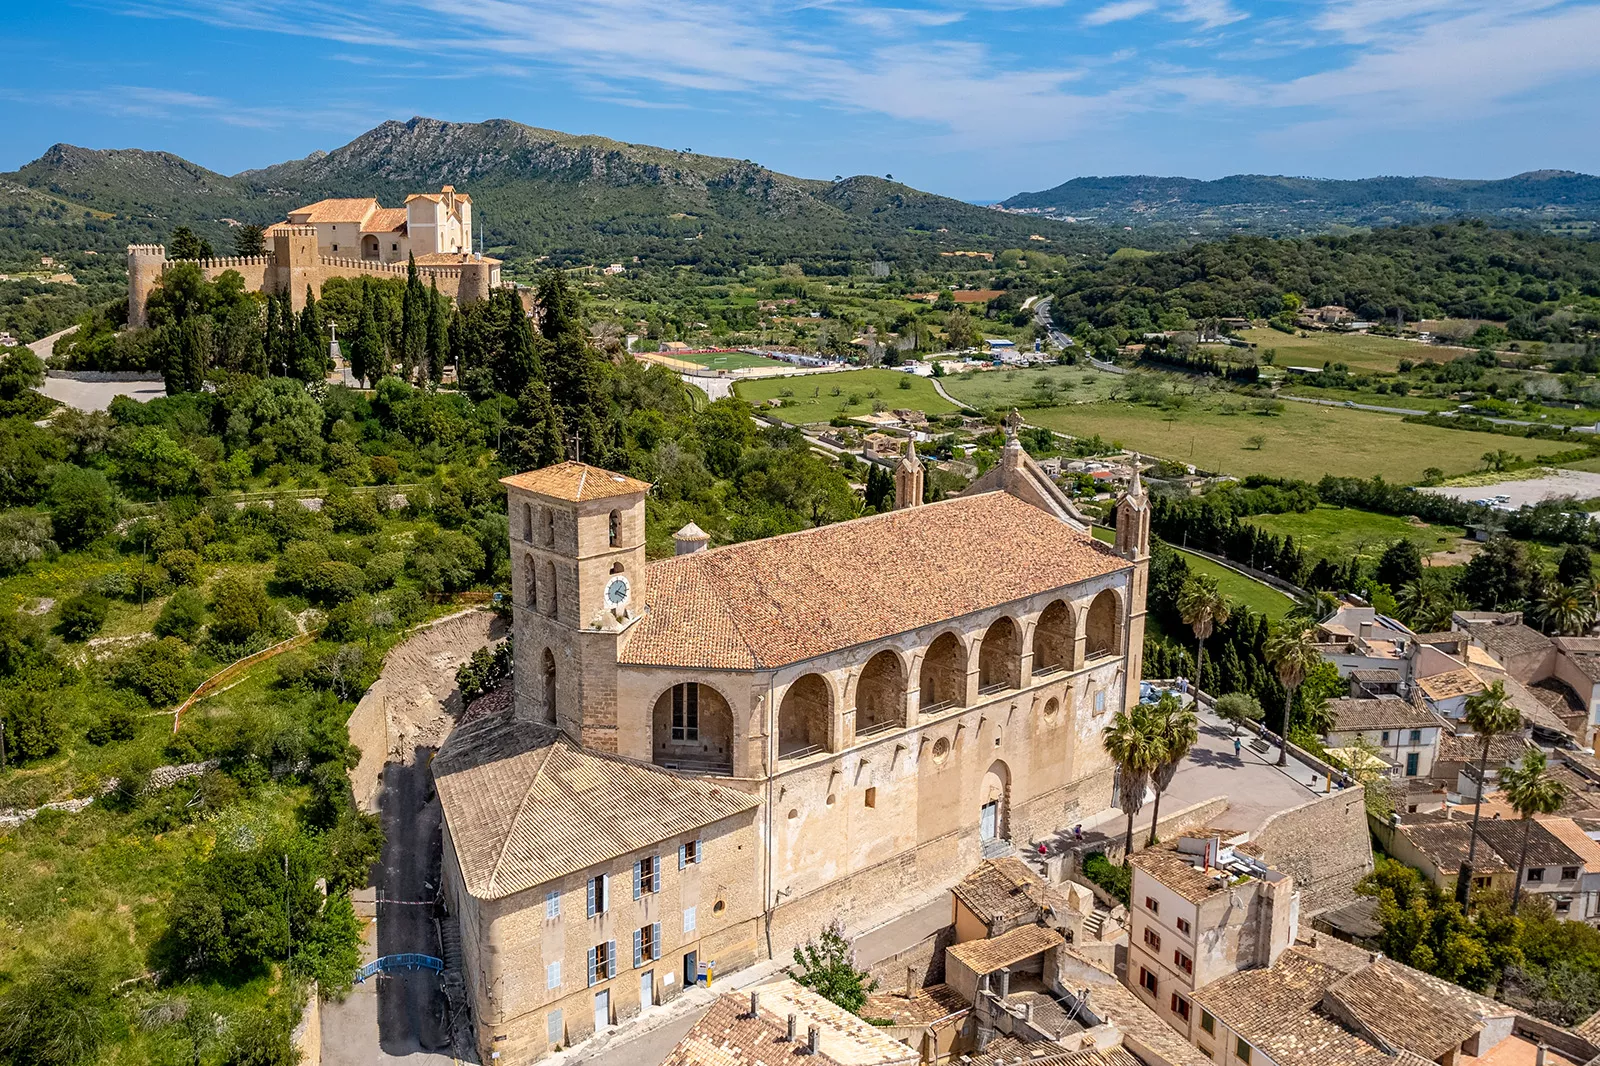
(1544, 288)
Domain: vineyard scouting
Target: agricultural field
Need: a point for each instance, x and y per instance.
(811, 398)
(1049, 385)
(1301, 441)
(1357, 351)
(1340, 533)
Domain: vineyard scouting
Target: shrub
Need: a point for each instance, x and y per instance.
(60, 1013)
(384, 568)
(33, 727)
(1117, 880)
(330, 583)
(115, 723)
(240, 610)
(82, 616)
(181, 565)
(158, 670)
(181, 616)
(24, 538)
(481, 672)
(352, 513)
(82, 507)
(297, 562)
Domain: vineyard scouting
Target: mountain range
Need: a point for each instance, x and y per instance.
(1263, 202)
(538, 194)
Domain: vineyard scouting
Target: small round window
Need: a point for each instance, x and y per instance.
(941, 750)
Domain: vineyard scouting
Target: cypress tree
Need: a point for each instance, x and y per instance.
(518, 365)
(536, 436)
(413, 322)
(572, 368)
(311, 356)
(438, 333)
(365, 349)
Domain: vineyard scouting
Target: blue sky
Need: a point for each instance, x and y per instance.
(972, 98)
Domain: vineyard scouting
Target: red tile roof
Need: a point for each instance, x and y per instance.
(766, 603)
(575, 482)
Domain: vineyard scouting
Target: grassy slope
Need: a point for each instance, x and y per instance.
(813, 396)
(1340, 533)
(1236, 587)
(1305, 441)
(1356, 351)
(1014, 388)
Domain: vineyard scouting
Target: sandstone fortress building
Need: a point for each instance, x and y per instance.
(712, 756)
(341, 239)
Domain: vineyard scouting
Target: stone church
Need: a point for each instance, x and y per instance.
(714, 755)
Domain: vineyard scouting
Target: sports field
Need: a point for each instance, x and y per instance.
(713, 360)
(1303, 440)
(1356, 350)
(1340, 533)
(822, 397)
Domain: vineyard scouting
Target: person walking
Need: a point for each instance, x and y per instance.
(1238, 748)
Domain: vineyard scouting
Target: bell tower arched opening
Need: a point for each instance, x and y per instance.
(1000, 657)
(804, 717)
(1103, 629)
(881, 694)
(943, 679)
(691, 729)
(1053, 639)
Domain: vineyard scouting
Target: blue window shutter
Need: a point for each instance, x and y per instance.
(683, 851)
(605, 892)
(611, 958)
(592, 966)
(655, 875)
(638, 879)
(699, 849)
(638, 947)
(591, 898)
(655, 939)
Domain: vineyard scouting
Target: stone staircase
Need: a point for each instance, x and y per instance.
(1095, 922)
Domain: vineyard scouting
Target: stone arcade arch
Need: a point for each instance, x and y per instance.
(692, 729)
(370, 248)
(1054, 637)
(1103, 629)
(1000, 657)
(548, 687)
(531, 593)
(881, 694)
(804, 717)
(943, 679)
(550, 588)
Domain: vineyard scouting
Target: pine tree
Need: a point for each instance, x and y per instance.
(413, 323)
(535, 437)
(310, 353)
(438, 333)
(365, 350)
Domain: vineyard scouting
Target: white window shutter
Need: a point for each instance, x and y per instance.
(688, 920)
(593, 966)
(591, 897)
(683, 852)
(655, 875)
(638, 947)
(699, 849)
(655, 939)
(638, 878)
(611, 958)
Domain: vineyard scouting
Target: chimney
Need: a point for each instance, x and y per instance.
(1005, 983)
(985, 1034)
(790, 1037)
(1539, 1056)
(911, 981)
(813, 1034)
(1027, 1011)
(690, 539)
(754, 1012)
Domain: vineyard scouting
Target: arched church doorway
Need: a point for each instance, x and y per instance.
(994, 805)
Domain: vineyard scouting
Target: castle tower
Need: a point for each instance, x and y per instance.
(908, 475)
(294, 251)
(146, 262)
(577, 545)
(1133, 544)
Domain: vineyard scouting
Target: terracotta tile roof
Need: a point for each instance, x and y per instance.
(766, 603)
(575, 482)
(1275, 1009)
(1446, 843)
(1572, 835)
(1012, 1052)
(452, 259)
(1505, 835)
(728, 1035)
(525, 806)
(1178, 873)
(1583, 652)
(461, 197)
(353, 209)
(1430, 1025)
(1508, 638)
(1113, 1002)
(1534, 711)
(1006, 890)
(1450, 684)
(926, 1006)
(1007, 949)
(1589, 1028)
(1378, 676)
(385, 220)
(1459, 747)
(1385, 712)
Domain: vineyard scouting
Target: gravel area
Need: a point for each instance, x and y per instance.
(1554, 485)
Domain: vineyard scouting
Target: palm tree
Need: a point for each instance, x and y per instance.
(1531, 791)
(1136, 743)
(1427, 603)
(1564, 609)
(1489, 714)
(1180, 729)
(1292, 652)
(1203, 607)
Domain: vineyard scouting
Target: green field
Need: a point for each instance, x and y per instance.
(1235, 586)
(1340, 533)
(1355, 350)
(822, 397)
(724, 360)
(1303, 441)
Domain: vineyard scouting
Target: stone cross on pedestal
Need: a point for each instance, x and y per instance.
(1013, 423)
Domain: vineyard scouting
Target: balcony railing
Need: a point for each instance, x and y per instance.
(994, 686)
(700, 767)
(875, 728)
(785, 754)
(1048, 669)
(935, 708)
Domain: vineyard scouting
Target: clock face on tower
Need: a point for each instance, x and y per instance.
(617, 590)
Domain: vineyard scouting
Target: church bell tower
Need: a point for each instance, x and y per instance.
(577, 544)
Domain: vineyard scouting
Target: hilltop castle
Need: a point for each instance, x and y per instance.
(713, 756)
(345, 238)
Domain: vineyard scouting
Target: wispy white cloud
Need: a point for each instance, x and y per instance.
(1119, 11)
